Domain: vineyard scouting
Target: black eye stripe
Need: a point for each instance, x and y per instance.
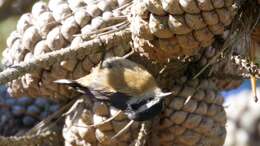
(143, 114)
(139, 103)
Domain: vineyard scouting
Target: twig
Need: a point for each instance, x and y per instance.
(52, 137)
(142, 135)
(122, 131)
(84, 48)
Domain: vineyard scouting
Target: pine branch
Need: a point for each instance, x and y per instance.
(85, 48)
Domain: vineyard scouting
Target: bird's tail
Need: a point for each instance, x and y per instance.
(96, 94)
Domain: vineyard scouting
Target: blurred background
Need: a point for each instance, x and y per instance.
(243, 126)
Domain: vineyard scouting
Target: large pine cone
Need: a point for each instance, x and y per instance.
(199, 122)
(220, 70)
(165, 29)
(223, 72)
(52, 27)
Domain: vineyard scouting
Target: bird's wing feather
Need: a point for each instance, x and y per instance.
(117, 99)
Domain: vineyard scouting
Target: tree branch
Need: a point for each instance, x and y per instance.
(50, 58)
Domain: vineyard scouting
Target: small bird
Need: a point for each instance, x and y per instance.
(123, 84)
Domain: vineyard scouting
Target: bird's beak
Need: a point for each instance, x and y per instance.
(161, 95)
(67, 82)
(63, 81)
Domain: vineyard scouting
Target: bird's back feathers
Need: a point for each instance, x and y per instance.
(120, 75)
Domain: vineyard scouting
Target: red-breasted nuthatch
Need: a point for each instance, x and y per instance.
(124, 84)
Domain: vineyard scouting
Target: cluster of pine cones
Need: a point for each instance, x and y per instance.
(17, 115)
(181, 35)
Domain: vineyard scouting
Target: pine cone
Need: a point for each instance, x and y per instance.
(199, 122)
(165, 29)
(228, 68)
(54, 26)
(221, 70)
